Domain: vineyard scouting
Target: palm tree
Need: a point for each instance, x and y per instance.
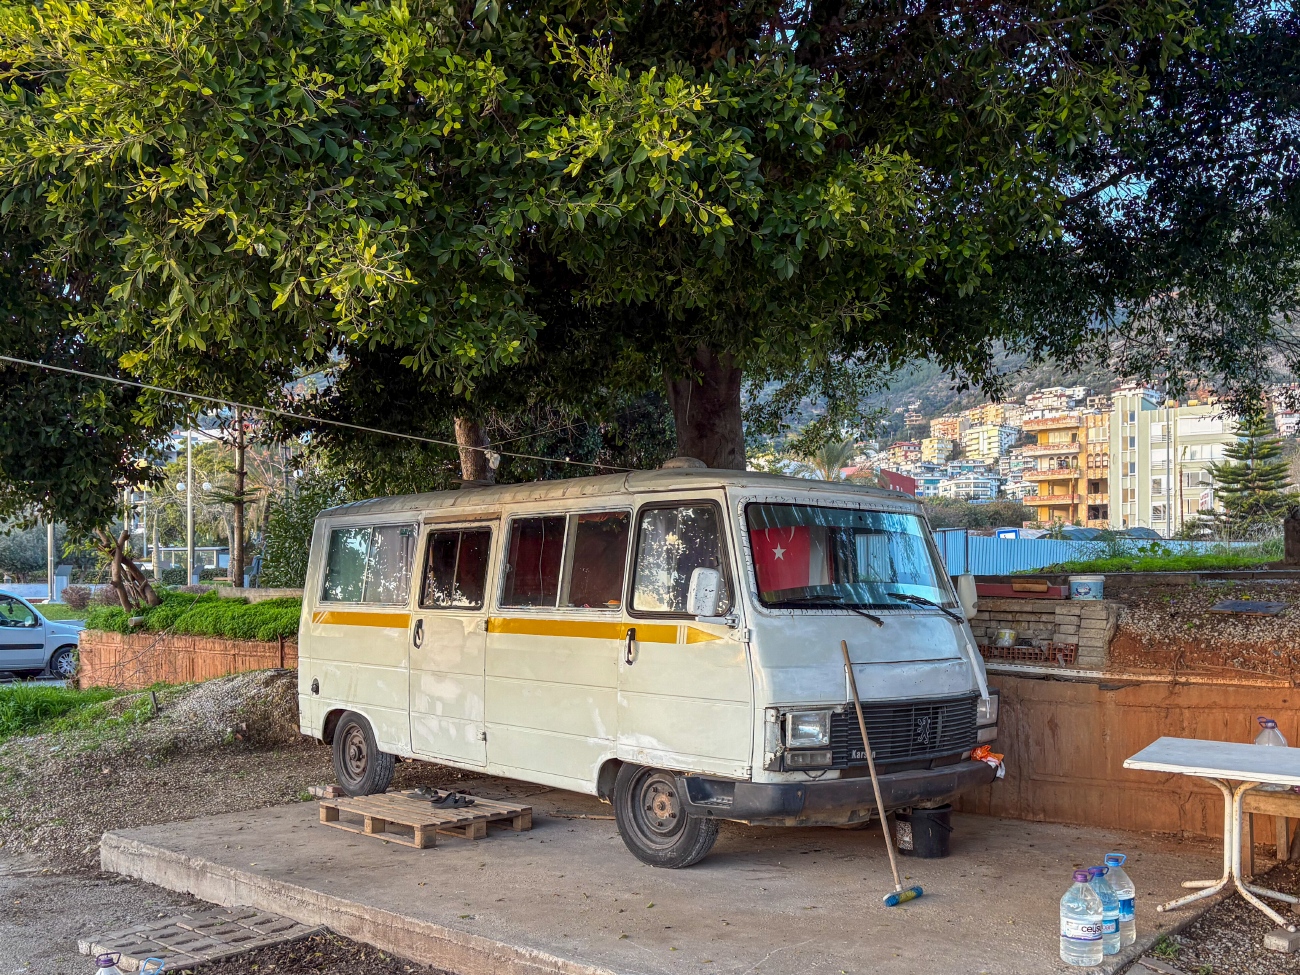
(827, 463)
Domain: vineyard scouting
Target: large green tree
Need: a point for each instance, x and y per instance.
(1253, 483)
(715, 191)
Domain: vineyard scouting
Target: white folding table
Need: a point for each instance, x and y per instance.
(1225, 762)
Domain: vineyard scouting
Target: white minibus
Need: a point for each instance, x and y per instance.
(666, 640)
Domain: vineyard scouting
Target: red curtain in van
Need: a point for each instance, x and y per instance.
(781, 557)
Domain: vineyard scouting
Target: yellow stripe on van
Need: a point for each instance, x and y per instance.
(588, 629)
(342, 617)
(700, 636)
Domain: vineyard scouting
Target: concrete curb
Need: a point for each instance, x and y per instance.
(432, 944)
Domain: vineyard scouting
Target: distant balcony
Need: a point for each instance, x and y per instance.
(1064, 422)
(1063, 474)
(1044, 449)
(1055, 499)
(1102, 498)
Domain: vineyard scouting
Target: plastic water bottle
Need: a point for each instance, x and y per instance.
(106, 964)
(1109, 910)
(1126, 892)
(1081, 921)
(1269, 735)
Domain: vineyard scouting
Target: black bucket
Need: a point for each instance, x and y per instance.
(923, 832)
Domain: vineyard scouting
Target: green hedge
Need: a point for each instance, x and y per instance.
(206, 615)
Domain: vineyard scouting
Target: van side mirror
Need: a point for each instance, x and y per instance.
(705, 593)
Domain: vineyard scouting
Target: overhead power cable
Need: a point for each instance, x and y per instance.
(486, 451)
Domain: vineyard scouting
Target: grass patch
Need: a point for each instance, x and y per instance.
(26, 709)
(207, 615)
(57, 611)
(1161, 558)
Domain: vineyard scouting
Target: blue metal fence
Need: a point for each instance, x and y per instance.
(990, 556)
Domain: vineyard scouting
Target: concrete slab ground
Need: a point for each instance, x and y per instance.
(568, 898)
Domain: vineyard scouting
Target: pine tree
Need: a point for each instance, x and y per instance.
(1253, 484)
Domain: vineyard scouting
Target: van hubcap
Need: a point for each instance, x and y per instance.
(657, 808)
(354, 752)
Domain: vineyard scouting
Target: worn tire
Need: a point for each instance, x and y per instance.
(653, 823)
(63, 664)
(361, 768)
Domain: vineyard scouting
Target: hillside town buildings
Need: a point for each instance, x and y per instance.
(1127, 458)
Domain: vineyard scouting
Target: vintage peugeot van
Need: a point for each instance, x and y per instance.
(667, 640)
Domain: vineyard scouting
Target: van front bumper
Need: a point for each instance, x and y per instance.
(834, 802)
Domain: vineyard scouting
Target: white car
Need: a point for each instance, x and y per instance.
(31, 645)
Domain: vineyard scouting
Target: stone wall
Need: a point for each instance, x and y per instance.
(1088, 623)
(137, 660)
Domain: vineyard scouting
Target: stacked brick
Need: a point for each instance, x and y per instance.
(1088, 623)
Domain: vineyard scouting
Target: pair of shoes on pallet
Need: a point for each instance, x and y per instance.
(444, 800)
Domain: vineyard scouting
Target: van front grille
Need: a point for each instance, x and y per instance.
(905, 730)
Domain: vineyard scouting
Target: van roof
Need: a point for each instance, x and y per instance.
(611, 484)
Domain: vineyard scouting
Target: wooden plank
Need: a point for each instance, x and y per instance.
(379, 814)
(1285, 804)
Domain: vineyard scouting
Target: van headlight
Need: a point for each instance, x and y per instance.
(807, 729)
(986, 712)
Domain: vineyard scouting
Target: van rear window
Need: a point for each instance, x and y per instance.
(369, 565)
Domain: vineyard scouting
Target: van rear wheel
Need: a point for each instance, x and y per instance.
(361, 768)
(651, 817)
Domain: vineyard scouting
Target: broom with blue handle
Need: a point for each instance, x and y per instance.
(900, 895)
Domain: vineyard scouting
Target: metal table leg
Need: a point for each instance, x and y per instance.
(1212, 887)
(1248, 891)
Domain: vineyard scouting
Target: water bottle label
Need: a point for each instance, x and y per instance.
(1126, 908)
(1077, 930)
(1110, 925)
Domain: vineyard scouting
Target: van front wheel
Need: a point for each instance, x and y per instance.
(652, 819)
(362, 769)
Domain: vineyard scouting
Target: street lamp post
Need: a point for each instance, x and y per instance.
(189, 506)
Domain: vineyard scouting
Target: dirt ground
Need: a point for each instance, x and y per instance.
(233, 744)
(1170, 629)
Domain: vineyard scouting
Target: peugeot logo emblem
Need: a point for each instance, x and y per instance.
(923, 728)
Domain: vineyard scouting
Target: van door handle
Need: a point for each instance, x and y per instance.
(418, 637)
(629, 652)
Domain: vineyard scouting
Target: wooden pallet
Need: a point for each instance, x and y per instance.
(425, 821)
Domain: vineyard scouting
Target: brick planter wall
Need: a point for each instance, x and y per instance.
(136, 660)
(1089, 623)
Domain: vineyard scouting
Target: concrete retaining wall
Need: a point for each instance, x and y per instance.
(137, 660)
(1065, 743)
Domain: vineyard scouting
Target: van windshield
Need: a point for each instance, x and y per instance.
(809, 557)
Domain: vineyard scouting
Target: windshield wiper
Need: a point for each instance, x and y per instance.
(830, 601)
(921, 600)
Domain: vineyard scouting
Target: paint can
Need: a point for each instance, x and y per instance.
(1086, 587)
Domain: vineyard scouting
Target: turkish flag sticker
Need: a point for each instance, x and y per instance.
(780, 557)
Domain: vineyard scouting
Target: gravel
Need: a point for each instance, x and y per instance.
(1229, 938)
(321, 954)
(1171, 630)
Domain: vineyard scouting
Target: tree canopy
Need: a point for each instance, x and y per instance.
(1253, 483)
(701, 192)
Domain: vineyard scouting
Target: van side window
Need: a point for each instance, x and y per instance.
(534, 556)
(671, 544)
(369, 565)
(455, 569)
(14, 613)
(598, 541)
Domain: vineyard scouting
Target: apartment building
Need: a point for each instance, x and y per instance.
(1096, 467)
(995, 415)
(949, 427)
(1054, 399)
(988, 442)
(970, 487)
(1058, 473)
(936, 450)
(1162, 453)
(900, 455)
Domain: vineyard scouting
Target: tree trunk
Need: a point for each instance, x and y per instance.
(125, 578)
(474, 466)
(706, 411)
(236, 571)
